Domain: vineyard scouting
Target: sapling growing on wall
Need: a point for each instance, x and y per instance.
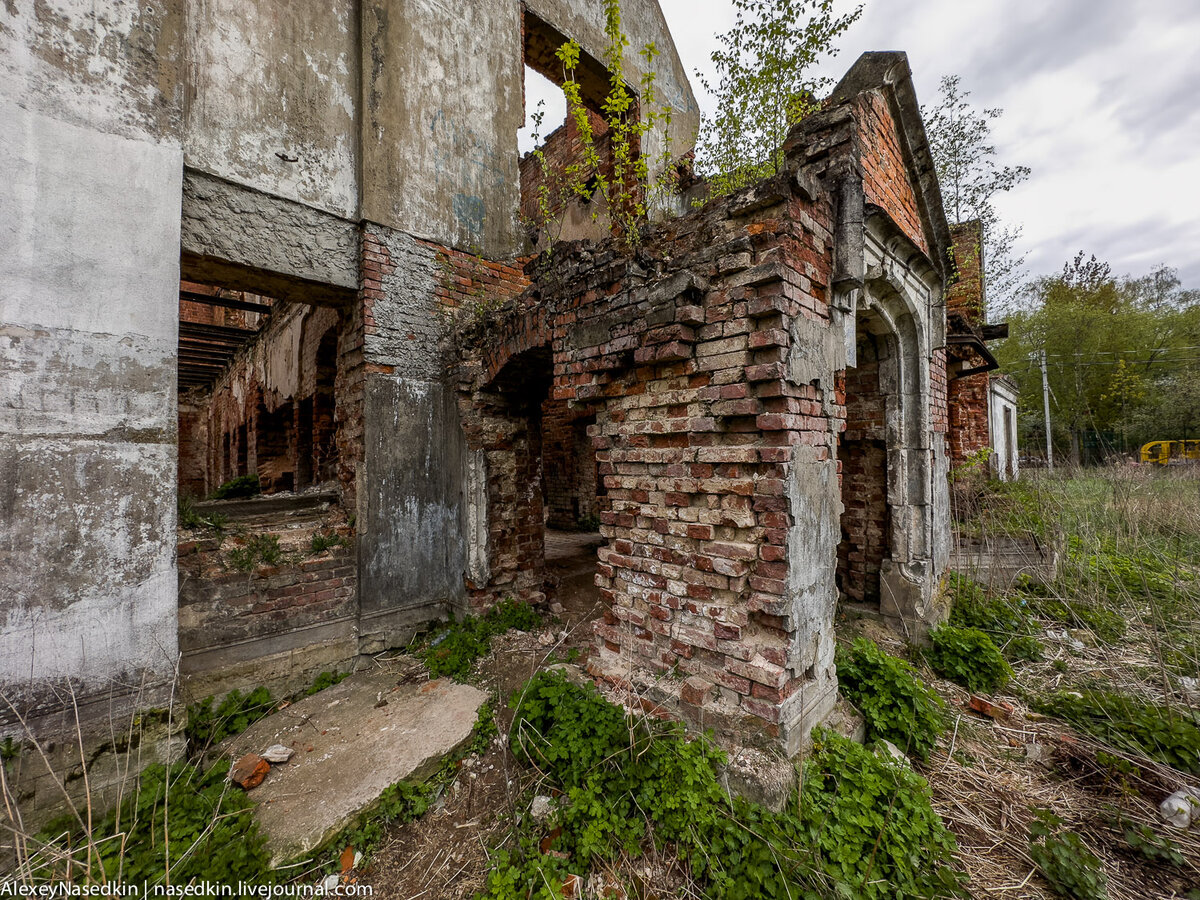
(764, 86)
(620, 179)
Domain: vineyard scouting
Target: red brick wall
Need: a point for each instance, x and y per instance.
(562, 149)
(968, 403)
(965, 294)
(569, 471)
(694, 435)
(967, 398)
(230, 605)
(467, 281)
(862, 460)
(885, 175)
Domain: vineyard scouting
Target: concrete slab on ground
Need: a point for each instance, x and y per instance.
(352, 740)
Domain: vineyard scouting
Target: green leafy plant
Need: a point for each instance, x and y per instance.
(326, 540)
(1130, 724)
(862, 822)
(1006, 620)
(258, 548)
(764, 86)
(235, 488)
(1151, 846)
(888, 692)
(325, 680)
(233, 715)
(967, 657)
(1069, 867)
(618, 174)
(873, 824)
(454, 650)
(193, 820)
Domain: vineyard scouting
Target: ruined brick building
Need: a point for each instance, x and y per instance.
(283, 239)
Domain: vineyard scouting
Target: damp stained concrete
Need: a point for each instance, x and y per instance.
(351, 741)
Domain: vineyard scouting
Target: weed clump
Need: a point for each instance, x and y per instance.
(1071, 870)
(197, 817)
(325, 680)
(190, 517)
(969, 658)
(237, 488)
(453, 652)
(890, 695)
(233, 715)
(259, 548)
(322, 541)
(1130, 724)
(862, 823)
(1007, 621)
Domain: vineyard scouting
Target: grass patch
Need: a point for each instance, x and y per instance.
(454, 650)
(1007, 620)
(896, 704)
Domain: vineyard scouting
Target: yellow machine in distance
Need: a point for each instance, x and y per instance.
(1171, 453)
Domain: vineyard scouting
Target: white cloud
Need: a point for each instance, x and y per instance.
(1098, 102)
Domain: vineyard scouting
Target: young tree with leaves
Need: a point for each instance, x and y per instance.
(970, 176)
(764, 86)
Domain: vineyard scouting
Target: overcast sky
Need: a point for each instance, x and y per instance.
(1099, 100)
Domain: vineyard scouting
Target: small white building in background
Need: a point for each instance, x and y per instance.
(1002, 425)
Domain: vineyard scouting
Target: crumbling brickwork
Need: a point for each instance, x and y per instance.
(714, 361)
(967, 396)
(862, 462)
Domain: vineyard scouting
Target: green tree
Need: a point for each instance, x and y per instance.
(970, 177)
(764, 86)
(1120, 353)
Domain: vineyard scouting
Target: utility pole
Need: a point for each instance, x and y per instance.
(1046, 410)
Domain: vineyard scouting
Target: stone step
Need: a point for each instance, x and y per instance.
(351, 741)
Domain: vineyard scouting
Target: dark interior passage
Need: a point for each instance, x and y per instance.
(862, 452)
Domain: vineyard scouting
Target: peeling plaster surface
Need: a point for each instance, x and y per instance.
(443, 103)
(272, 78)
(112, 66)
(89, 271)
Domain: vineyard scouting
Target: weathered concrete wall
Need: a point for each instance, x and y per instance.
(272, 90)
(89, 269)
(243, 238)
(442, 104)
(412, 494)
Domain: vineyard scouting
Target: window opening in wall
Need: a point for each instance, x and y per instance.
(544, 97)
(548, 201)
(257, 391)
